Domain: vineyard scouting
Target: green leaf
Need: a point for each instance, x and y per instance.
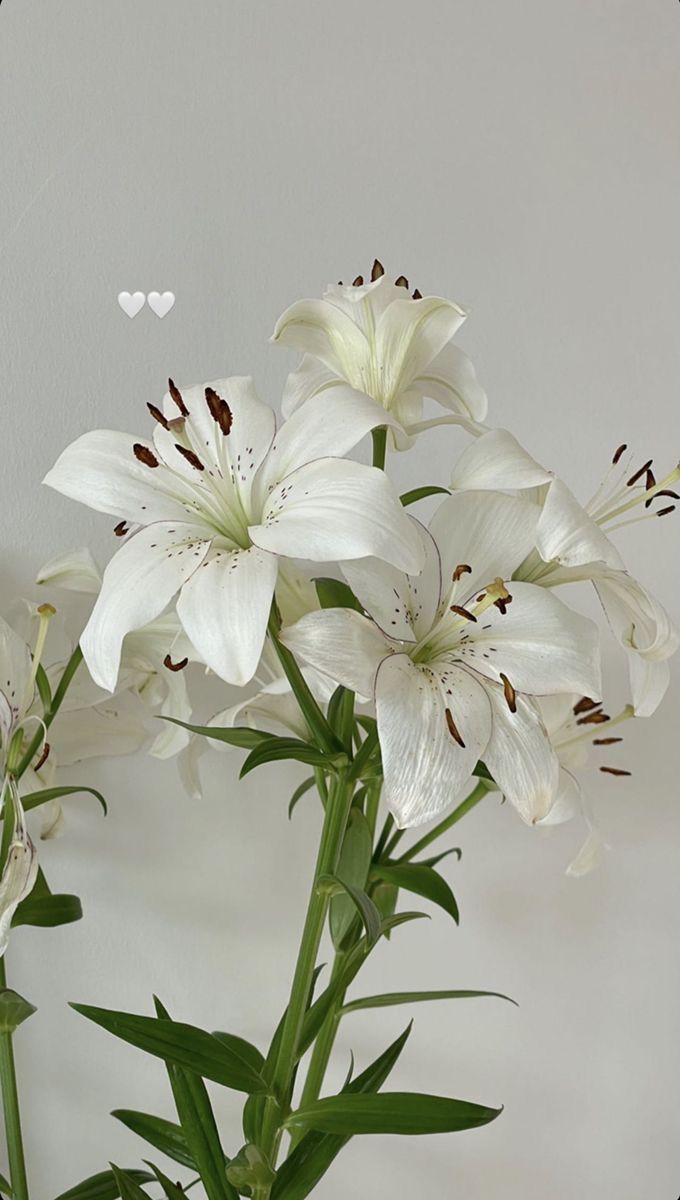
(14, 1010)
(315, 1152)
(47, 911)
(198, 1124)
(299, 792)
(365, 907)
(421, 493)
(163, 1135)
(238, 735)
(437, 858)
(277, 748)
(128, 1188)
(391, 1112)
(171, 1190)
(5, 1187)
(181, 1044)
(340, 716)
(103, 1186)
(35, 799)
(239, 1045)
(353, 867)
(387, 999)
(421, 880)
(334, 593)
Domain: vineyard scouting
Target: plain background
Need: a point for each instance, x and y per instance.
(522, 158)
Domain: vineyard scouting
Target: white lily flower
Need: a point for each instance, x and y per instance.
(572, 545)
(219, 495)
(395, 348)
(17, 685)
(21, 866)
(454, 661)
(574, 726)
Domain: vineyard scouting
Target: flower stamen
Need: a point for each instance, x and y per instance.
(190, 456)
(453, 729)
(175, 666)
(219, 410)
(144, 455)
(509, 693)
(176, 395)
(158, 415)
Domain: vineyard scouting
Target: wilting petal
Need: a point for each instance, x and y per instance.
(225, 607)
(21, 867)
(568, 536)
(451, 380)
(590, 855)
(496, 461)
(100, 469)
(15, 657)
(424, 766)
(120, 725)
(76, 571)
(138, 583)
(321, 328)
(568, 801)
(310, 378)
(643, 627)
(520, 757)
(404, 606)
(410, 333)
(330, 424)
(342, 644)
(540, 644)
(487, 531)
(337, 509)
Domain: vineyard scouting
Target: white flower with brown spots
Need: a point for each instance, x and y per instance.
(213, 500)
(455, 658)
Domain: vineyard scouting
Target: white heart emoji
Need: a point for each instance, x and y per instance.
(131, 304)
(161, 303)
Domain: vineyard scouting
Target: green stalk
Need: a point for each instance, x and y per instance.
(379, 447)
(453, 818)
(323, 1046)
(335, 821)
(10, 1105)
(48, 717)
(318, 725)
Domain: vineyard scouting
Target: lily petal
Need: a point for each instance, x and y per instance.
(224, 609)
(337, 509)
(409, 335)
(568, 536)
(310, 378)
(75, 571)
(342, 644)
(404, 606)
(496, 461)
(488, 531)
(424, 766)
(321, 328)
(16, 673)
(521, 759)
(139, 581)
(643, 627)
(451, 380)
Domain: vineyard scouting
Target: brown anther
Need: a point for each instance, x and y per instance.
(402, 281)
(190, 457)
(43, 757)
(614, 771)
(358, 282)
(662, 492)
(121, 529)
(177, 397)
(617, 453)
(650, 481)
(377, 271)
(594, 718)
(417, 295)
(158, 416)
(453, 729)
(144, 455)
(509, 693)
(638, 474)
(663, 512)
(219, 410)
(461, 569)
(501, 595)
(584, 705)
(463, 612)
(174, 666)
(611, 741)
(502, 603)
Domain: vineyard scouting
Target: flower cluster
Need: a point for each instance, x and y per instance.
(452, 636)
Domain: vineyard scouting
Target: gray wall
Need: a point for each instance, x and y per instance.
(522, 158)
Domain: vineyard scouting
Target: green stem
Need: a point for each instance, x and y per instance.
(335, 821)
(380, 447)
(48, 717)
(453, 818)
(323, 1046)
(318, 725)
(10, 1105)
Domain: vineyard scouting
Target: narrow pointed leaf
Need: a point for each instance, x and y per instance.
(315, 1152)
(404, 1113)
(275, 749)
(35, 799)
(238, 735)
(128, 1187)
(334, 593)
(103, 1186)
(181, 1044)
(365, 907)
(163, 1135)
(353, 867)
(388, 999)
(245, 1049)
(299, 792)
(170, 1190)
(423, 881)
(48, 911)
(5, 1187)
